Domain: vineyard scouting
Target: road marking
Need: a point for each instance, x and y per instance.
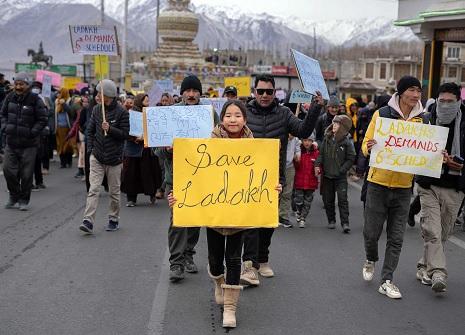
(157, 316)
(458, 242)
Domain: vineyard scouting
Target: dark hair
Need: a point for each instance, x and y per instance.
(166, 95)
(237, 103)
(450, 88)
(264, 77)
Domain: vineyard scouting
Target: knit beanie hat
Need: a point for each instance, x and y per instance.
(406, 82)
(333, 101)
(23, 76)
(191, 82)
(345, 121)
(109, 88)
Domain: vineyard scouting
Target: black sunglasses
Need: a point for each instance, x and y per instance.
(261, 91)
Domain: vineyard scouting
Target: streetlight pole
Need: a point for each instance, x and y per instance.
(156, 28)
(124, 48)
(102, 12)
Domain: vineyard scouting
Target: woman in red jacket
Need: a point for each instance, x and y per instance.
(305, 182)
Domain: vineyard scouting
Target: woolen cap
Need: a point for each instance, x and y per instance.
(406, 82)
(345, 121)
(191, 82)
(109, 88)
(24, 77)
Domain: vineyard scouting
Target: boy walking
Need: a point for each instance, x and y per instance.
(337, 155)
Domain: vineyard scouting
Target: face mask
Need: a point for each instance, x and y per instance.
(35, 90)
(447, 111)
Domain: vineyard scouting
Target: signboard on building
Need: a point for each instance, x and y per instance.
(265, 69)
(26, 67)
(279, 70)
(64, 70)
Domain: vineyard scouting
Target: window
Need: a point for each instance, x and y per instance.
(452, 72)
(463, 75)
(369, 70)
(382, 71)
(453, 52)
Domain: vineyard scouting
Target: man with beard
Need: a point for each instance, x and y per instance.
(23, 116)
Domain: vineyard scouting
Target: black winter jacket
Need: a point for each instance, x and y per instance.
(108, 150)
(278, 122)
(23, 118)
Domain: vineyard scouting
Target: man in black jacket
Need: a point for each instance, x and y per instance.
(267, 119)
(23, 116)
(326, 119)
(442, 197)
(105, 141)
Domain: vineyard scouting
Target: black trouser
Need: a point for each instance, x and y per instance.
(256, 245)
(331, 187)
(18, 169)
(415, 207)
(390, 205)
(67, 159)
(218, 252)
(38, 169)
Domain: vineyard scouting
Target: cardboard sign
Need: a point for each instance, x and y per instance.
(242, 84)
(409, 147)
(56, 78)
(166, 85)
(135, 124)
(226, 183)
(310, 75)
(300, 97)
(155, 94)
(165, 123)
(94, 40)
(71, 82)
(101, 67)
(217, 103)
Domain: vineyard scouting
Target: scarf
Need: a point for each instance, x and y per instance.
(446, 113)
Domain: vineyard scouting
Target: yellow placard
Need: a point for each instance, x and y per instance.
(225, 183)
(101, 67)
(70, 82)
(128, 82)
(242, 84)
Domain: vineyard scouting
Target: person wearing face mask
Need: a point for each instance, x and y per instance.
(389, 192)
(23, 117)
(441, 198)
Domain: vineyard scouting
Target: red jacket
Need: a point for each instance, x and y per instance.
(305, 178)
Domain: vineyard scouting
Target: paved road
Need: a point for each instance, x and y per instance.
(55, 281)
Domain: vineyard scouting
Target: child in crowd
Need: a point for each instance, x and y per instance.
(233, 125)
(305, 182)
(337, 154)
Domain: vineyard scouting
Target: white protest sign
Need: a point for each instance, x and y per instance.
(46, 86)
(94, 40)
(300, 97)
(155, 94)
(409, 147)
(310, 74)
(166, 85)
(217, 103)
(135, 124)
(280, 94)
(166, 123)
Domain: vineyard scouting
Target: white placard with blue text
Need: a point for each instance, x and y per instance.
(165, 123)
(136, 127)
(217, 103)
(300, 97)
(310, 74)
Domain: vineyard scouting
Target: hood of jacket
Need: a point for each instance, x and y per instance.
(220, 132)
(394, 104)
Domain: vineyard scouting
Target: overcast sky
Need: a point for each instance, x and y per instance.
(315, 9)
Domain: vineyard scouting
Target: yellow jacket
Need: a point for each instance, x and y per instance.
(349, 102)
(386, 177)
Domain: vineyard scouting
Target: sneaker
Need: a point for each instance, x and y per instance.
(389, 289)
(23, 207)
(423, 277)
(249, 275)
(286, 224)
(112, 226)
(190, 266)
(368, 270)
(265, 270)
(11, 204)
(176, 273)
(438, 282)
(345, 228)
(301, 223)
(332, 225)
(131, 204)
(41, 186)
(86, 227)
(34, 188)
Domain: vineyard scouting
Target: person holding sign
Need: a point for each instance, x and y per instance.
(388, 192)
(182, 241)
(105, 141)
(226, 243)
(441, 198)
(267, 119)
